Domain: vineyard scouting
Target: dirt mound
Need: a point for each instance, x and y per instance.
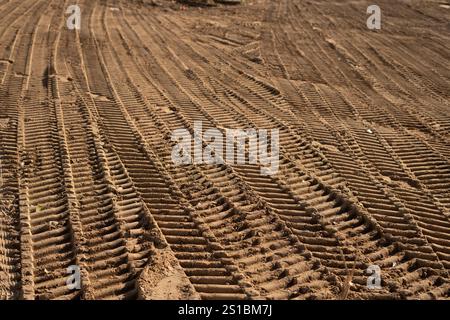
(163, 279)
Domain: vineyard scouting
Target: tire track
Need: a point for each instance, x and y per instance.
(119, 233)
(46, 210)
(87, 177)
(184, 239)
(15, 255)
(217, 178)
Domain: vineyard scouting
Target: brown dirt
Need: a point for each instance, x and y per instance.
(164, 279)
(87, 178)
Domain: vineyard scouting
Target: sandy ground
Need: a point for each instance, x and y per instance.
(87, 179)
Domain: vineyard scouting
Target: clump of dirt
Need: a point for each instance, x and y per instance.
(164, 279)
(4, 123)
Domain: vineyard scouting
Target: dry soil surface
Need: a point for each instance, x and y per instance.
(87, 179)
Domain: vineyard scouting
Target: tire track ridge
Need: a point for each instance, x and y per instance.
(186, 122)
(411, 174)
(410, 217)
(365, 164)
(78, 236)
(124, 283)
(27, 261)
(212, 242)
(167, 130)
(142, 142)
(413, 112)
(285, 187)
(334, 46)
(29, 243)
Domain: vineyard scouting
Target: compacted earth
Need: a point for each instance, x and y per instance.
(94, 207)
